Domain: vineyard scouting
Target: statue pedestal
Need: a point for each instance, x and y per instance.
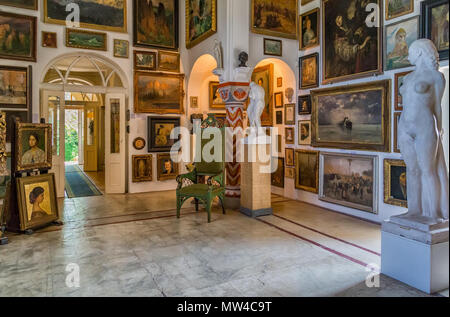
(255, 179)
(415, 251)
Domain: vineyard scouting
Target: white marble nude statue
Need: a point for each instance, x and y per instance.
(257, 104)
(420, 134)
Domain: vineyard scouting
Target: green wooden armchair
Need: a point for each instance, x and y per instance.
(214, 172)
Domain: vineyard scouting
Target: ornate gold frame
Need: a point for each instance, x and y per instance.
(114, 48)
(149, 159)
(297, 170)
(269, 68)
(211, 97)
(20, 128)
(387, 17)
(191, 44)
(104, 35)
(174, 175)
(384, 146)
(272, 33)
(122, 29)
(176, 54)
(286, 150)
(21, 198)
(387, 183)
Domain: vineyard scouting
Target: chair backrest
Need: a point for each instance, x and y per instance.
(211, 168)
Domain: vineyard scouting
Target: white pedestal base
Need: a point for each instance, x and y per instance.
(420, 265)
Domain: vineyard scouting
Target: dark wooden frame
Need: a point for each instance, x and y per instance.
(279, 168)
(301, 59)
(176, 30)
(12, 4)
(152, 121)
(286, 121)
(293, 135)
(425, 22)
(272, 54)
(314, 190)
(42, 39)
(279, 93)
(140, 67)
(286, 150)
(33, 40)
(385, 86)
(300, 101)
(139, 139)
(176, 166)
(302, 16)
(300, 132)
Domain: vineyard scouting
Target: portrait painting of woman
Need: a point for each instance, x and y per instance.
(34, 155)
(33, 146)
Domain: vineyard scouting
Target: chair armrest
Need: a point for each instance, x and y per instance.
(192, 176)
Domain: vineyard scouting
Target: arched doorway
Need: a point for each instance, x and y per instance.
(97, 89)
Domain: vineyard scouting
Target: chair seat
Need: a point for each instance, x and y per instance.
(198, 190)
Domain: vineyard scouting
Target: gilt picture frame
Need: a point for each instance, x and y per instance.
(201, 21)
(88, 40)
(33, 147)
(434, 25)
(142, 168)
(23, 4)
(395, 185)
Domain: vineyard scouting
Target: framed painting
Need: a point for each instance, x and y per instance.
(49, 39)
(279, 82)
(274, 18)
(86, 39)
(290, 172)
(156, 24)
(309, 29)
(4, 179)
(215, 99)
(304, 132)
(121, 48)
(24, 4)
(158, 93)
(263, 76)
(142, 168)
(15, 87)
(279, 143)
(277, 177)
(36, 196)
(169, 61)
(395, 192)
(398, 82)
(289, 157)
(349, 180)
(397, 116)
(307, 170)
(94, 14)
(352, 117)
(33, 146)
(167, 169)
(279, 102)
(193, 102)
(144, 60)
(289, 135)
(22, 26)
(398, 8)
(289, 114)
(351, 48)
(273, 47)
(139, 143)
(398, 38)
(159, 129)
(304, 105)
(309, 71)
(279, 117)
(23, 116)
(434, 24)
(201, 21)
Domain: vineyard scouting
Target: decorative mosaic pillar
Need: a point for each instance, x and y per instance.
(234, 94)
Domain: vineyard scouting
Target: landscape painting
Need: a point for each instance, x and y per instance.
(351, 48)
(156, 23)
(349, 180)
(144, 60)
(121, 48)
(14, 87)
(397, 8)
(102, 15)
(352, 117)
(263, 76)
(158, 93)
(86, 39)
(24, 4)
(201, 21)
(17, 37)
(275, 18)
(169, 61)
(399, 37)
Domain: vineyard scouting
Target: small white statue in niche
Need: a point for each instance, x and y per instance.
(420, 134)
(218, 54)
(257, 104)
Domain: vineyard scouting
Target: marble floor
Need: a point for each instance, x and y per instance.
(133, 245)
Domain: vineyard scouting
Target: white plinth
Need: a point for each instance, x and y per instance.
(420, 265)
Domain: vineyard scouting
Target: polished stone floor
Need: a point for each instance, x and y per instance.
(133, 245)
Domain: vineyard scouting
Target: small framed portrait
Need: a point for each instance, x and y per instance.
(309, 71)
(397, 116)
(434, 24)
(279, 117)
(144, 60)
(159, 130)
(169, 61)
(142, 168)
(289, 157)
(279, 82)
(304, 132)
(395, 183)
(167, 169)
(398, 8)
(289, 135)
(290, 172)
(121, 48)
(215, 100)
(273, 47)
(194, 102)
(307, 170)
(33, 146)
(37, 201)
(278, 97)
(278, 176)
(398, 104)
(139, 143)
(289, 114)
(309, 29)
(304, 105)
(49, 39)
